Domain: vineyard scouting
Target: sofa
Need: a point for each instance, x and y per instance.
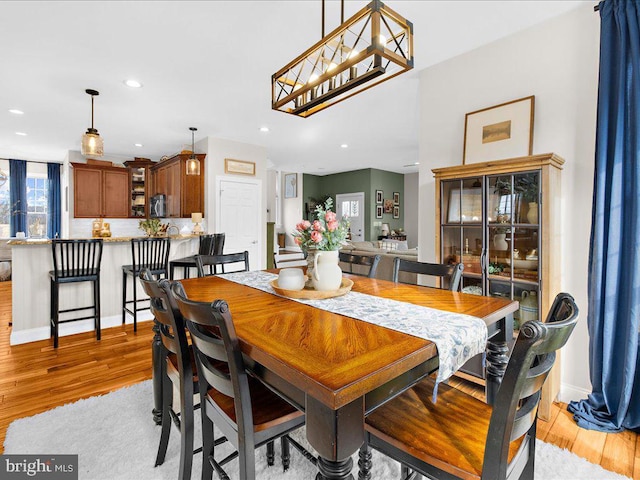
(388, 250)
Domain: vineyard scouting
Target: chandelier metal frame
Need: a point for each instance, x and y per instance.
(371, 47)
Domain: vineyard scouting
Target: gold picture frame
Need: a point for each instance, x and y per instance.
(499, 132)
(241, 167)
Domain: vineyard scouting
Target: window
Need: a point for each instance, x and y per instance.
(350, 208)
(36, 203)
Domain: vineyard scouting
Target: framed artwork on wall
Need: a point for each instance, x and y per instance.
(388, 206)
(499, 132)
(396, 212)
(378, 211)
(290, 185)
(396, 198)
(379, 197)
(239, 166)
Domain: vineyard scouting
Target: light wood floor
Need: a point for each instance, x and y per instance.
(34, 378)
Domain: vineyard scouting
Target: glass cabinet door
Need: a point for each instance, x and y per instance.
(138, 192)
(461, 232)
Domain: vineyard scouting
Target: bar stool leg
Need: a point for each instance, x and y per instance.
(56, 315)
(124, 296)
(135, 303)
(96, 302)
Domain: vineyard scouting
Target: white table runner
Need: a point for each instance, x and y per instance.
(458, 337)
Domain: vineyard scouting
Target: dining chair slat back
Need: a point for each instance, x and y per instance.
(231, 398)
(177, 371)
(240, 259)
(364, 263)
(449, 275)
(508, 427)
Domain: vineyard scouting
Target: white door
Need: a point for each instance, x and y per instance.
(239, 217)
(352, 205)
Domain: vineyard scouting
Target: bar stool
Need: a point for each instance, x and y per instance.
(75, 261)
(149, 253)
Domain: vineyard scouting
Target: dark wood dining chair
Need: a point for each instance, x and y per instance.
(246, 412)
(149, 253)
(178, 372)
(364, 263)
(460, 436)
(240, 259)
(449, 275)
(208, 244)
(74, 261)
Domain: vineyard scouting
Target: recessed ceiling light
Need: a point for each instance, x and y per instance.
(132, 83)
(22, 134)
(344, 145)
(137, 144)
(264, 129)
(15, 111)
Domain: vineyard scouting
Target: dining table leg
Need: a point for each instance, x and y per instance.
(498, 357)
(335, 435)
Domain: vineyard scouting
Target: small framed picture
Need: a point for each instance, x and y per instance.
(378, 211)
(388, 205)
(239, 166)
(291, 185)
(379, 197)
(396, 212)
(396, 198)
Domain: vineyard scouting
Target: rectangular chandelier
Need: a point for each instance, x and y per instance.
(374, 45)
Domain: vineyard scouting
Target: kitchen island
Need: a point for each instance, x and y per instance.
(31, 262)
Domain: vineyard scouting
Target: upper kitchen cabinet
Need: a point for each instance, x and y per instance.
(139, 186)
(100, 191)
(184, 193)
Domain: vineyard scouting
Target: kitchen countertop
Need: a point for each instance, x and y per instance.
(44, 241)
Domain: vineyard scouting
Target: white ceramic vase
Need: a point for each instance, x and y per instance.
(327, 274)
(532, 214)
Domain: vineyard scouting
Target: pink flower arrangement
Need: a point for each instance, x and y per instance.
(324, 233)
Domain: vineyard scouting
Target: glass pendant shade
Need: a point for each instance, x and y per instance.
(193, 166)
(92, 143)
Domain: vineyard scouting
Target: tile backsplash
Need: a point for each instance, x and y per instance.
(122, 227)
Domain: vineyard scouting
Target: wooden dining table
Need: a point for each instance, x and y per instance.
(336, 368)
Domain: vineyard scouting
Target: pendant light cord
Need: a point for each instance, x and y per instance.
(341, 15)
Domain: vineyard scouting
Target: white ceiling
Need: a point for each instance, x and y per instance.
(209, 65)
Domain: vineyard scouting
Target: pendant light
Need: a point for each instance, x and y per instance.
(92, 143)
(374, 45)
(193, 164)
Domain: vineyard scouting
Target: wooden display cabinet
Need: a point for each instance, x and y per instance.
(501, 219)
(184, 193)
(139, 186)
(100, 191)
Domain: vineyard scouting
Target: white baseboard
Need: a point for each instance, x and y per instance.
(571, 393)
(71, 328)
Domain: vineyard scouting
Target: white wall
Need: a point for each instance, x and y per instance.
(556, 61)
(291, 209)
(217, 150)
(411, 207)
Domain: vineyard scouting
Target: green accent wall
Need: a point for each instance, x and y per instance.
(368, 181)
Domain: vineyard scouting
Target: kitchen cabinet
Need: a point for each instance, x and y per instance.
(139, 186)
(184, 193)
(100, 191)
(501, 219)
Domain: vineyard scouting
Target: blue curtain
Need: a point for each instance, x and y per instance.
(18, 195)
(614, 258)
(53, 200)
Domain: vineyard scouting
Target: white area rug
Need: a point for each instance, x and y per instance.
(116, 439)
